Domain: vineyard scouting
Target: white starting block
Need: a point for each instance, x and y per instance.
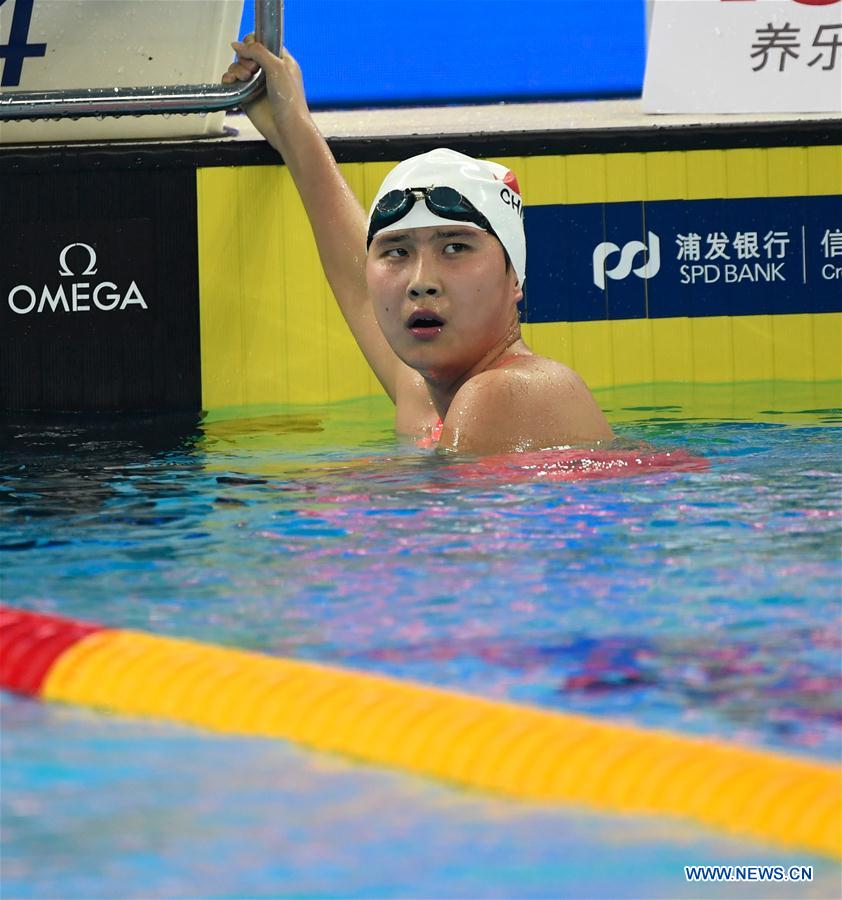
(59, 44)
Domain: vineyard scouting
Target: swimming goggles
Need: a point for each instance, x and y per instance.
(444, 202)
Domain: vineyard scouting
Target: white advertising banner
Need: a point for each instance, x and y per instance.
(744, 56)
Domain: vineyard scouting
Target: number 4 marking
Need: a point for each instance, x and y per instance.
(17, 49)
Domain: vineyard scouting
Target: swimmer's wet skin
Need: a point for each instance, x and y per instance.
(429, 283)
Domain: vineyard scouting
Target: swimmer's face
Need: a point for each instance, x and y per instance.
(443, 296)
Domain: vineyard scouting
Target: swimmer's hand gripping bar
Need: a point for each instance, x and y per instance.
(178, 98)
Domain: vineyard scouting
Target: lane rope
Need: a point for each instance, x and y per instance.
(519, 751)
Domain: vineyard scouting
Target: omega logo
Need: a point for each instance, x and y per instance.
(62, 260)
(77, 296)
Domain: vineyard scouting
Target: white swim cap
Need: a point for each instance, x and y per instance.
(489, 187)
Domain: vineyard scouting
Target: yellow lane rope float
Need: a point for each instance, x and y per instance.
(522, 752)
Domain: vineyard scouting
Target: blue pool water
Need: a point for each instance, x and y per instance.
(704, 602)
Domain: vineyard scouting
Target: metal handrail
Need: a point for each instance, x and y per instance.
(178, 98)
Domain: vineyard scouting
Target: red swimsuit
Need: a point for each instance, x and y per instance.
(435, 435)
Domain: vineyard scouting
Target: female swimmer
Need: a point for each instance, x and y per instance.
(429, 283)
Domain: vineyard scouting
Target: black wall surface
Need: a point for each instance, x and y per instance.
(141, 226)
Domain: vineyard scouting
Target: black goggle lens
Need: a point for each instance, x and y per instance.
(394, 203)
(448, 201)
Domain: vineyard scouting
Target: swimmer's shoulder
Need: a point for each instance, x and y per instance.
(527, 403)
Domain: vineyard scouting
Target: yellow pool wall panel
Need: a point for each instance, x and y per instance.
(271, 331)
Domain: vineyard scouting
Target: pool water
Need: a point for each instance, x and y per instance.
(706, 602)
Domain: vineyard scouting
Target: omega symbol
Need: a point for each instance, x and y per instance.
(64, 269)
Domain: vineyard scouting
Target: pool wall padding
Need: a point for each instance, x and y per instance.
(527, 753)
(271, 331)
(238, 312)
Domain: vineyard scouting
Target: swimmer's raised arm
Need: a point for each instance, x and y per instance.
(336, 217)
